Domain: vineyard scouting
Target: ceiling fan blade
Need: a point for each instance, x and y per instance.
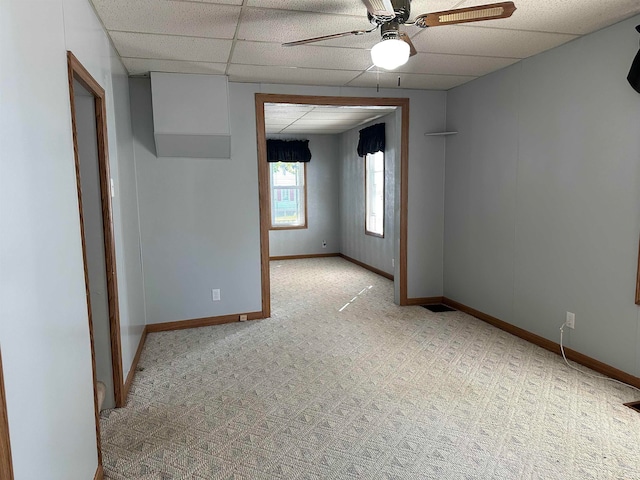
(463, 15)
(380, 8)
(405, 37)
(327, 37)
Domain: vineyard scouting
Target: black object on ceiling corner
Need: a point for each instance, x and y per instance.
(634, 73)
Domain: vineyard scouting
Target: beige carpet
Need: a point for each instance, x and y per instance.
(375, 391)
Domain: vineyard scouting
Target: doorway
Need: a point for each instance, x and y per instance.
(263, 179)
(6, 467)
(88, 115)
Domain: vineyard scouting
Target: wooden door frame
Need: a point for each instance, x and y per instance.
(263, 176)
(6, 465)
(76, 71)
(638, 278)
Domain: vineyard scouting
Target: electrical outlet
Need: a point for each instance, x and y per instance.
(324, 244)
(215, 295)
(571, 320)
(243, 318)
(393, 262)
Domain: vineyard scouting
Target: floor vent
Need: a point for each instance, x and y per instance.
(438, 308)
(633, 405)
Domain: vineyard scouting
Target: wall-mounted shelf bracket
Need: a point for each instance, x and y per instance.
(439, 134)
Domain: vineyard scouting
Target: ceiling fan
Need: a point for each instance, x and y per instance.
(396, 47)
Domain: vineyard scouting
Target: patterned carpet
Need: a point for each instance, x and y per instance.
(374, 391)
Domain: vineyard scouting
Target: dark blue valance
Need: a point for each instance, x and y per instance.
(288, 151)
(371, 140)
(634, 73)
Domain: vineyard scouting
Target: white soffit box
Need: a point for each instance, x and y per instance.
(191, 115)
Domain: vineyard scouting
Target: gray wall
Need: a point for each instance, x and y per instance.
(374, 251)
(199, 217)
(126, 220)
(543, 195)
(44, 331)
(323, 190)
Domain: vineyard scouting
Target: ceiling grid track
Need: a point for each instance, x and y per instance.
(243, 38)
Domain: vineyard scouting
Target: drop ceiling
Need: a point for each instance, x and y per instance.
(242, 39)
(286, 118)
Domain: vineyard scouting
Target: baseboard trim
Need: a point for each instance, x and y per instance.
(134, 364)
(99, 473)
(554, 347)
(310, 255)
(201, 322)
(341, 255)
(368, 267)
(179, 325)
(424, 301)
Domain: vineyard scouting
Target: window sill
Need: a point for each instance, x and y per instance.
(292, 227)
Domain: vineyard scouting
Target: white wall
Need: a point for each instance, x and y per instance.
(126, 218)
(44, 329)
(199, 217)
(374, 251)
(323, 192)
(543, 195)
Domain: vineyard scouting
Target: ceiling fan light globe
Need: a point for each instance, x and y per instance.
(390, 54)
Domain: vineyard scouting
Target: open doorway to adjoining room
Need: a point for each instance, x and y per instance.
(313, 114)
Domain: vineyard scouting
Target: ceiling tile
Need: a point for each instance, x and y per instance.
(495, 42)
(281, 26)
(142, 45)
(350, 116)
(275, 124)
(362, 42)
(178, 35)
(440, 64)
(141, 66)
(322, 119)
(346, 110)
(310, 56)
(348, 7)
(223, 2)
(563, 16)
(326, 122)
(303, 21)
(169, 17)
(284, 121)
(280, 122)
(411, 81)
(341, 7)
(302, 76)
(316, 131)
(283, 110)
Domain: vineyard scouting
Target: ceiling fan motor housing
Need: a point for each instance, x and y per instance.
(390, 30)
(402, 9)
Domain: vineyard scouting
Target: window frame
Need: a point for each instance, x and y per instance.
(304, 193)
(366, 195)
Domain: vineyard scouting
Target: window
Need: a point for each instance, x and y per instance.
(288, 195)
(374, 193)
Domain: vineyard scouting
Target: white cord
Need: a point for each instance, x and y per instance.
(587, 373)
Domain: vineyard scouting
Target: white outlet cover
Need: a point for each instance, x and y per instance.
(571, 319)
